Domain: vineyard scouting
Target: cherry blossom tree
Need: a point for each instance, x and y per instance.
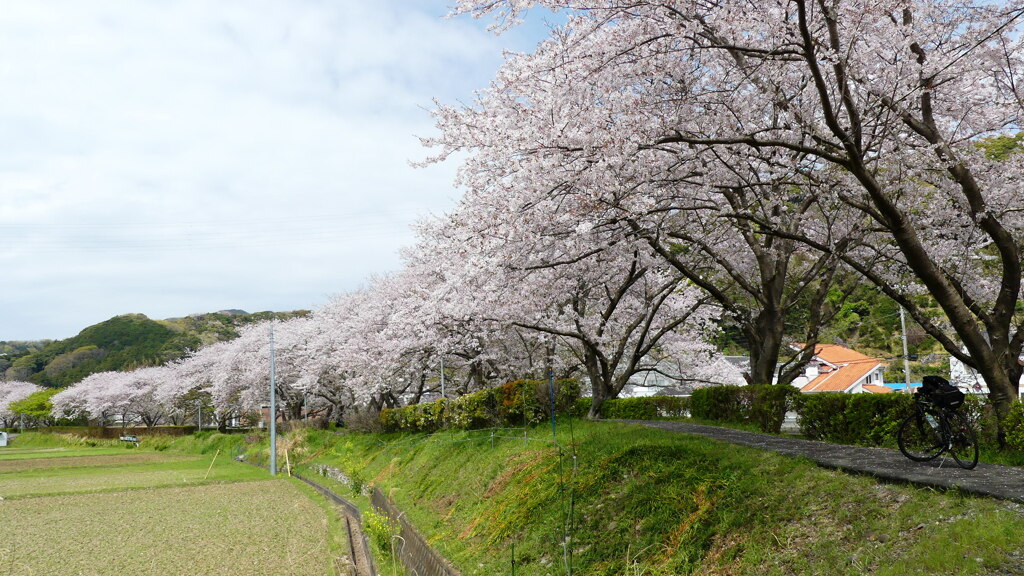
(308, 378)
(609, 301)
(144, 395)
(556, 159)
(386, 343)
(12, 391)
(725, 239)
(353, 357)
(888, 98)
(194, 376)
(237, 372)
(447, 296)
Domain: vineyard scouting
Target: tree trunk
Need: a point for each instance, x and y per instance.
(600, 386)
(765, 335)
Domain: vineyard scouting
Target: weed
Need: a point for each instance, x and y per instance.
(381, 531)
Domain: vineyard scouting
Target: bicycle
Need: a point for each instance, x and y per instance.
(932, 430)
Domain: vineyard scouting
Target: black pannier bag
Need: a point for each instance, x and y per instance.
(941, 392)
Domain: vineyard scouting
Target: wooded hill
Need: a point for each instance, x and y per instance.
(123, 343)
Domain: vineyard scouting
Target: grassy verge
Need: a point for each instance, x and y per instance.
(611, 499)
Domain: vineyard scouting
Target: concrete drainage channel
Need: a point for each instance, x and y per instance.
(359, 544)
(412, 550)
(416, 555)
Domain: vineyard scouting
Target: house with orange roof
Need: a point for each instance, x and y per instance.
(838, 369)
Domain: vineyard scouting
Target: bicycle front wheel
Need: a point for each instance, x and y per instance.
(963, 442)
(919, 439)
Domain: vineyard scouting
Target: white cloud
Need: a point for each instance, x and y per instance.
(188, 156)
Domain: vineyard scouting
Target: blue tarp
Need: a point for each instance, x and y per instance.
(902, 386)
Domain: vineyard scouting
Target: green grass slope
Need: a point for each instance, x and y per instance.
(609, 499)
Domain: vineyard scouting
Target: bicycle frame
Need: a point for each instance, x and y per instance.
(932, 430)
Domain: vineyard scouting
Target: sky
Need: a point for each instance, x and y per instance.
(173, 157)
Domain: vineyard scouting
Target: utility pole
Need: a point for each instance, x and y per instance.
(273, 409)
(906, 356)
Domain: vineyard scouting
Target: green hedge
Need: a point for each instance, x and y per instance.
(873, 419)
(764, 406)
(864, 419)
(867, 419)
(723, 403)
(518, 403)
(646, 408)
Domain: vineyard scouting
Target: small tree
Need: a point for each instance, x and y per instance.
(36, 408)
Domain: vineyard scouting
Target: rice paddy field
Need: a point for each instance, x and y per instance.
(101, 511)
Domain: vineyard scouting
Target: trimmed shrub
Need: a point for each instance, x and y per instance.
(982, 417)
(581, 407)
(821, 415)
(764, 406)
(768, 406)
(567, 392)
(518, 403)
(1014, 426)
(629, 409)
(390, 420)
(672, 406)
(865, 419)
(473, 411)
(646, 408)
(528, 402)
(724, 403)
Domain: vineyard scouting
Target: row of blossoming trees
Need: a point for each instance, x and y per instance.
(486, 308)
(486, 317)
(655, 164)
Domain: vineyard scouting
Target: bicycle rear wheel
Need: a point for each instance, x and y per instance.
(919, 439)
(963, 442)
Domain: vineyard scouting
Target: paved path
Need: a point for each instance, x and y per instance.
(1004, 482)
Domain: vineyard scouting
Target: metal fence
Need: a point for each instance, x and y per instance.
(411, 548)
